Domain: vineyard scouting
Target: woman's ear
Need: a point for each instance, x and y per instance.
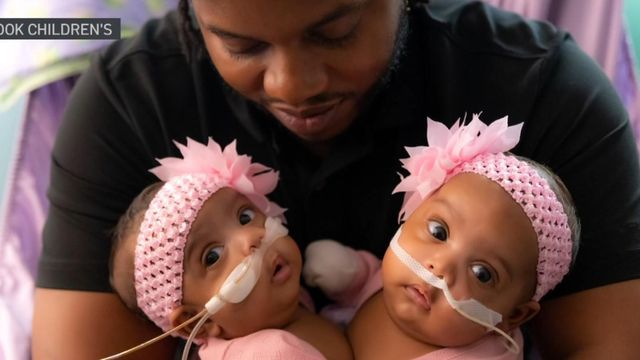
(185, 312)
(521, 314)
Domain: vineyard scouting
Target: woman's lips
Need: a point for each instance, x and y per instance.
(307, 120)
(419, 296)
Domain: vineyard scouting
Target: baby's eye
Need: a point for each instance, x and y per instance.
(246, 216)
(213, 255)
(482, 273)
(437, 230)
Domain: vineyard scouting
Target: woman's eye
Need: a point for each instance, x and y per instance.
(242, 47)
(246, 216)
(338, 32)
(333, 41)
(247, 50)
(437, 230)
(213, 255)
(481, 273)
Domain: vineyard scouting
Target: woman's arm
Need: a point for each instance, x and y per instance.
(594, 313)
(101, 326)
(605, 324)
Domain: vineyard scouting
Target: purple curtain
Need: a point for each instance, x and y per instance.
(24, 214)
(41, 69)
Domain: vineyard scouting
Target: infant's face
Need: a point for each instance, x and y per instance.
(228, 228)
(472, 233)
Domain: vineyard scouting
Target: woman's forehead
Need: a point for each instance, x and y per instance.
(276, 6)
(271, 15)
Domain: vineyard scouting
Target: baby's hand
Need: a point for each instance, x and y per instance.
(330, 266)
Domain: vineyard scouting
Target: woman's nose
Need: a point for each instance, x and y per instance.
(293, 76)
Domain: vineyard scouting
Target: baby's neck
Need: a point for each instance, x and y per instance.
(372, 330)
(322, 334)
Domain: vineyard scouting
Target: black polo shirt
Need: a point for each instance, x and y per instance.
(140, 94)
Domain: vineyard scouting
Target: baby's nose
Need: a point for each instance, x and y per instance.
(251, 239)
(441, 266)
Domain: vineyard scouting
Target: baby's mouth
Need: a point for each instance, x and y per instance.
(277, 269)
(419, 295)
(281, 270)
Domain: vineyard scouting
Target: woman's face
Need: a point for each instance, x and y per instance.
(310, 63)
(227, 230)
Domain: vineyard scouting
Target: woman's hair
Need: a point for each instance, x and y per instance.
(565, 199)
(190, 36)
(123, 244)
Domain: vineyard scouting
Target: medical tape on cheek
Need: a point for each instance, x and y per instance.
(469, 308)
(241, 281)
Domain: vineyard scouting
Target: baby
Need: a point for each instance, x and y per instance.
(208, 236)
(486, 235)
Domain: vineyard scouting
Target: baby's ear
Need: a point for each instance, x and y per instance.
(521, 314)
(185, 312)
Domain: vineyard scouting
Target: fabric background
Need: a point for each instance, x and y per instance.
(43, 71)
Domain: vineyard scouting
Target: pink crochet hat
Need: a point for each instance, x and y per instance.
(478, 148)
(189, 182)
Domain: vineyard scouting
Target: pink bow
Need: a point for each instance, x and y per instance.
(429, 166)
(227, 168)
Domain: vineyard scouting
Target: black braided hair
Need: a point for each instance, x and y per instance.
(189, 35)
(413, 3)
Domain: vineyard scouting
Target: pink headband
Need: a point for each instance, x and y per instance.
(189, 182)
(479, 149)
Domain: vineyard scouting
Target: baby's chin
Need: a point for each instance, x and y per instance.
(442, 336)
(423, 327)
(273, 315)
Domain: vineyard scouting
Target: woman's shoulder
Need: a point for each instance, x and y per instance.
(158, 38)
(149, 83)
(147, 70)
(476, 26)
